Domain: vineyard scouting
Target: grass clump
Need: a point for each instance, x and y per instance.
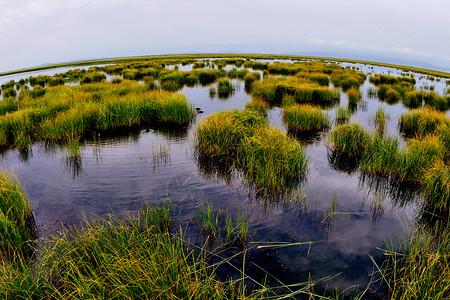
(422, 270)
(354, 96)
(222, 133)
(305, 91)
(272, 161)
(265, 90)
(413, 99)
(257, 105)
(8, 105)
(250, 78)
(65, 112)
(224, 87)
(380, 119)
(305, 118)
(382, 156)
(128, 259)
(347, 79)
(436, 185)
(418, 156)
(16, 218)
(421, 122)
(343, 114)
(351, 139)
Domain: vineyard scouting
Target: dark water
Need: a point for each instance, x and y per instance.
(120, 173)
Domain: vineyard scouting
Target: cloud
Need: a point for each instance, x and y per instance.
(344, 43)
(408, 51)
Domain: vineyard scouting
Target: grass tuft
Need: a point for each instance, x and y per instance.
(305, 118)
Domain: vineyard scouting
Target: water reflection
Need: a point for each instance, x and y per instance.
(74, 166)
(342, 162)
(215, 168)
(307, 138)
(25, 154)
(383, 187)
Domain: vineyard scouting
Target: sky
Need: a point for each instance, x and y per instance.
(37, 32)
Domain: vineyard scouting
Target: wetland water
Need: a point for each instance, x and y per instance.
(122, 172)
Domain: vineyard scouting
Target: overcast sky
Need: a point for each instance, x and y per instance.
(35, 32)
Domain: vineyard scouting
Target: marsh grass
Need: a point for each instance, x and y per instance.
(413, 99)
(8, 105)
(72, 149)
(258, 105)
(421, 122)
(343, 114)
(305, 118)
(66, 112)
(266, 90)
(420, 270)
(351, 139)
(129, 258)
(354, 96)
(17, 227)
(304, 92)
(382, 156)
(380, 119)
(270, 161)
(224, 87)
(221, 134)
(418, 156)
(436, 182)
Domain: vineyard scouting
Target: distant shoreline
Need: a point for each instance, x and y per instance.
(216, 55)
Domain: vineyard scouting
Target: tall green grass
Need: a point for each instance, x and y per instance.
(421, 121)
(305, 118)
(129, 258)
(16, 219)
(382, 156)
(66, 112)
(351, 139)
(257, 105)
(343, 114)
(305, 92)
(270, 160)
(354, 96)
(436, 182)
(223, 133)
(224, 87)
(380, 120)
(419, 156)
(421, 270)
